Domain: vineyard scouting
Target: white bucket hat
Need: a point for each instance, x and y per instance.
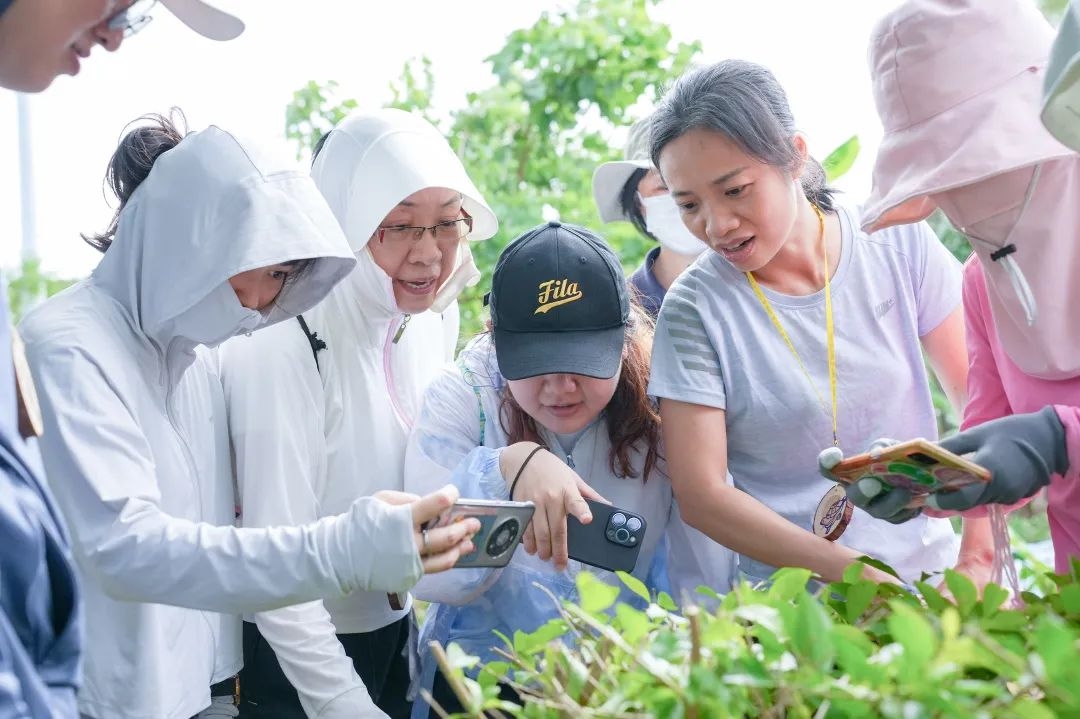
(609, 178)
(1061, 108)
(205, 19)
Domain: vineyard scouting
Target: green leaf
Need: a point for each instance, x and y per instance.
(493, 673)
(459, 659)
(1007, 621)
(853, 572)
(881, 566)
(811, 639)
(853, 648)
(761, 615)
(963, 590)
(528, 642)
(841, 159)
(1030, 709)
(1054, 643)
(632, 623)
(635, 585)
(993, 597)
(915, 634)
(789, 582)
(859, 597)
(666, 602)
(950, 624)
(933, 597)
(1070, 599)
(596, 595)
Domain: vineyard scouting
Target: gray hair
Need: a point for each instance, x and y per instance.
(744, 102)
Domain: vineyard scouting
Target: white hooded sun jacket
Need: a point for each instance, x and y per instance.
(335, 431)
(136, 446)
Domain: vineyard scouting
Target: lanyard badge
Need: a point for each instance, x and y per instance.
(834, 510)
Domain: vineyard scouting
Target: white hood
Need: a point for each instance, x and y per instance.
(334, 431)
(372, 161)
(244, 207)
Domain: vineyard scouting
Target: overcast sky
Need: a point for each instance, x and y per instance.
(818, 51)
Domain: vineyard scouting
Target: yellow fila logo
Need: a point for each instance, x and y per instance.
(556, 292)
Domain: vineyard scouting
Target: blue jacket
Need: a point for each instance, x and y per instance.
(40, 620)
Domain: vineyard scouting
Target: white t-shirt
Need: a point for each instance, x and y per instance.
(716, 346)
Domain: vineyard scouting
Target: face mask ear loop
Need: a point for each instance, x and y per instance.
(1003, 254)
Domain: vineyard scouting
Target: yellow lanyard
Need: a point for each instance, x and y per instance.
(829, 333)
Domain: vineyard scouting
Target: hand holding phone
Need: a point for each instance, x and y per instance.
(502, 524)
(918, 466)
(438, 548)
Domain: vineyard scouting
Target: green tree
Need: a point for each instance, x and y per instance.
(313, 111)
(1054, 10)
(31, 285)
(532, 139)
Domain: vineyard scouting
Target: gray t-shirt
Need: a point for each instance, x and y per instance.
(716, 346)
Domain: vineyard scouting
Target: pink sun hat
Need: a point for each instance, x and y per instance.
(958, 88)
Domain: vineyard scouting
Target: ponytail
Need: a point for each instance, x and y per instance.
(816, 187)
(132, 162)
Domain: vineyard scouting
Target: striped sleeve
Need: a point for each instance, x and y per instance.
(685, 365)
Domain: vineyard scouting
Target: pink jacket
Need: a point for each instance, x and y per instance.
(997, 388)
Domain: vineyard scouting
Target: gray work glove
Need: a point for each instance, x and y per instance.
(871, 495)
(1022, 453)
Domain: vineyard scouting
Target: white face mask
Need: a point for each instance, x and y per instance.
(663, 221)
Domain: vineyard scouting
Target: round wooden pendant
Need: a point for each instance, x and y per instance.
(833, 514)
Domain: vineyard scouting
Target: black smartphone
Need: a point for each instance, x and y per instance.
(501, 526)
(611, 541)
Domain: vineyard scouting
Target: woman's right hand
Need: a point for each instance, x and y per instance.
(439, 547)
(556, 490)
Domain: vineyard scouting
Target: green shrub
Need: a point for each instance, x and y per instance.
(794, 649)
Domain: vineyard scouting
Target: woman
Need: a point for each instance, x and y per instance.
(563, 369)
(631, 190)
(41, 39)
(1016, 202)
(40, 605)
(347, 386)
(213, 237)
(798, 329)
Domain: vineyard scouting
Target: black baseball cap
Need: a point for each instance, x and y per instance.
(559, 304)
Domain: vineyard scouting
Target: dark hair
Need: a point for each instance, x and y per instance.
(132, 161)
(319, 145)
(745, 103)
(628, 201)
(632, 417)
(299, 269)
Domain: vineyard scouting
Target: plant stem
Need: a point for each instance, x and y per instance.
(452, 679)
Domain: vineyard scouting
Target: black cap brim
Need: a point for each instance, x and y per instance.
(592, 353)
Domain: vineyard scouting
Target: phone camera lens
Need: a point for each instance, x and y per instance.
(618, 519)
(621, 534)
(633, 524)
(502, 537)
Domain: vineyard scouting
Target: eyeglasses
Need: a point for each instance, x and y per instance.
(450, 231)
(133, 18)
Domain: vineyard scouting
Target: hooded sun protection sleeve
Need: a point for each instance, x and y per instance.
(102, 472)
(279, 446)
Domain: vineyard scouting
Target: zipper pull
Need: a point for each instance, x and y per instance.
(570, 461)
(401, 329)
